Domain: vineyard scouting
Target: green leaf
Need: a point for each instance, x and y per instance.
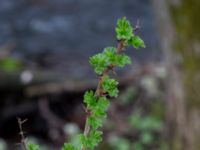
(99, 62)
(124, 30)
(95, 122)
(92, 140)
(109, 51)
(123, 60)
(111, 55)
(101, 107)
(136, 42)
(89, 99)
(103, 103)
(116, 59)
(110, 86)
(102, 60)
(33, 147)
(96, 137)
(69, 146)
(85, 141)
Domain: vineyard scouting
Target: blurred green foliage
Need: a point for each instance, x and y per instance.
(9, 64)
(33, 147)
(119, 143)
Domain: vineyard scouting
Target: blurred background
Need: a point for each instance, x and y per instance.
(44, 71)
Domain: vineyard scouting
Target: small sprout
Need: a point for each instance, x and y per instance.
(124, 29)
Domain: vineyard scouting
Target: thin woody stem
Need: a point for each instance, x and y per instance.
(98, 92)
(21, 133)
(120, 47)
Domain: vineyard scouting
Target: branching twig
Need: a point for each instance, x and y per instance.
(104, 63)
(21, 133)
(98, 91)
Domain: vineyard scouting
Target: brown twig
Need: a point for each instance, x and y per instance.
(21, 133)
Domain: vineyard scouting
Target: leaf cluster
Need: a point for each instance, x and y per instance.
(125, 32)
(97, 107)
(110, 86)
(92, 139)
(109, 57)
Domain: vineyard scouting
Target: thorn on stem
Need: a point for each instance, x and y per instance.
(137, 26)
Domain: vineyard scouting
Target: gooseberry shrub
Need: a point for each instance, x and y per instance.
(97, 102)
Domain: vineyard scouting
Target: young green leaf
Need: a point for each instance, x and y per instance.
(101, 107)
(96, 137)
(85, 141)
(92, 140)
(116, 59)
(123, 60)
(110, 86)
(124, 29)
(102, 103)
(90, 99)
(95, 122)
(111, 55)
(99, 62)
(136, 42)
